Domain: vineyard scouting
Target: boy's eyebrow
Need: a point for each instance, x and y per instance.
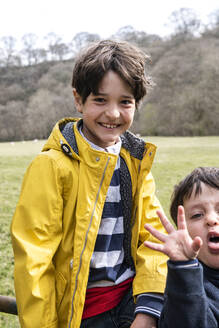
(201, 204)
(194, 206)
(105, 94)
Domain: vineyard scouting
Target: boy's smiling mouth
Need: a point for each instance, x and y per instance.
(109, 126)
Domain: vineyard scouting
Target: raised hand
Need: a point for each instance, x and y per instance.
(176, 244)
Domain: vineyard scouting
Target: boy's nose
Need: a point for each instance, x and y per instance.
(213, 219)
(112, 111)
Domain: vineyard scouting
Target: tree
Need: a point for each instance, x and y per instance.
(212, 28)
(81, 39)
(8, 55)
(12, 92)
(60, 50)
(39, 55)
(185, 23)
(214, 19)
(141, 38)
(12, 125)
(56, 47)
(29, 41)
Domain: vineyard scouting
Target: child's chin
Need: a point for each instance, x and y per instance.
(212, 264)
(215, 267)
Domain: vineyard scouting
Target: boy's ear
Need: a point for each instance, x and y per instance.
(77, 100)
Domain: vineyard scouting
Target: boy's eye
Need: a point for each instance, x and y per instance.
(196, 216)
(99, 99)
(127, 102)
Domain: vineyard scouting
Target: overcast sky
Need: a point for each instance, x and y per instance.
(66, 18)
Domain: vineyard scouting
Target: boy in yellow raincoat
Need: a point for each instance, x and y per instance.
(78, 229)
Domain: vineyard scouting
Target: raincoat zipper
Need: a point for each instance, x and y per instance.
(76, 280)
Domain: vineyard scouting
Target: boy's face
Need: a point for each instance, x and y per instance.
(202, 217)
(108, 114)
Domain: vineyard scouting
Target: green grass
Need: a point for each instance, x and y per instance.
(14, 159)
(175, 158)
(178, 156)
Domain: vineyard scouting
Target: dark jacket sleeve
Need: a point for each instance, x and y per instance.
(185, 300)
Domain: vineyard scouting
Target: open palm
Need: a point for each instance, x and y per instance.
(176, 244)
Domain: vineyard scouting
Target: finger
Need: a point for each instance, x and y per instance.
(165, 222)
(181, 221)
(197, 244)
(157, 234)
(154, 246)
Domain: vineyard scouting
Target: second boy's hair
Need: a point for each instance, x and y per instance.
(121, 57)
(182, 191)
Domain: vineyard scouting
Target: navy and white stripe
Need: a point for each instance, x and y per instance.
(183, 264)
(150, 303)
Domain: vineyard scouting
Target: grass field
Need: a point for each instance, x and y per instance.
(174, 159)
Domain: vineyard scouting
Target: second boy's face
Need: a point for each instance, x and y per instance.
(202, 218)
(108, 114)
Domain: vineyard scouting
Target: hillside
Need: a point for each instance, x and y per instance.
(184, 100)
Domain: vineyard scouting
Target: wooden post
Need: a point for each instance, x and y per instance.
(8, 304)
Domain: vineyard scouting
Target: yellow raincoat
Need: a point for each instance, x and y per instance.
(56, 222)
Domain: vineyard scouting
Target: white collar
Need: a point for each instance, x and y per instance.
(113, 149)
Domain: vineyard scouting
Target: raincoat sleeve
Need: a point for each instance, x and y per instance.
(151, 266)
(186, 302)
(36, 232)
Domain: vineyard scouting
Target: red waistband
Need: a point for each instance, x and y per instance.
(102, 299)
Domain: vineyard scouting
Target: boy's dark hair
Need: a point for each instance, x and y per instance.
(192, 182)
(121, 57)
